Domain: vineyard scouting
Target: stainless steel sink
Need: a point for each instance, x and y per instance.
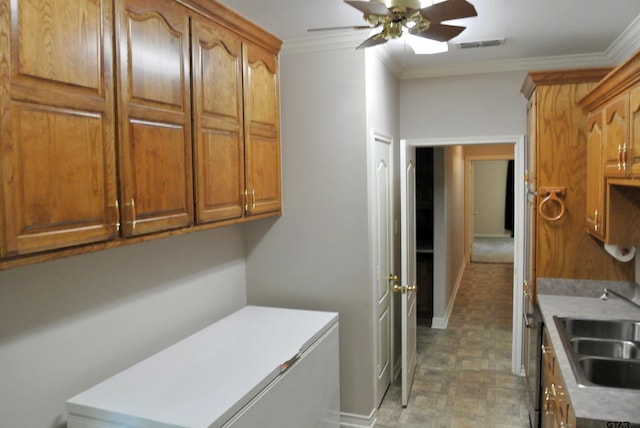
(603, 329)
(602, 352)
(622, 349)
(612, 372)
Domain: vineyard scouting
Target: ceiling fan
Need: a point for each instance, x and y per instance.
(393, 16)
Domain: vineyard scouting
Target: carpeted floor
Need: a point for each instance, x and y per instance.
(492, 250)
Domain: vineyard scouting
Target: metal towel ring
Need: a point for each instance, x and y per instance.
(552, 195)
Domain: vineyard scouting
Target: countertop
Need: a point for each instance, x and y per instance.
(593, 406)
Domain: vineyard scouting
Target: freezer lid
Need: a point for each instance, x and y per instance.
(206, 378)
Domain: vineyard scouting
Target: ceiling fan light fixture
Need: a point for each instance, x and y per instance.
(392, 30)
(422, 46)
(396, 16)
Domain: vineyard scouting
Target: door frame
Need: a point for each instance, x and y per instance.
(518, 140)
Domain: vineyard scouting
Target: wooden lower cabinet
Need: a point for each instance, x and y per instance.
(556, 408)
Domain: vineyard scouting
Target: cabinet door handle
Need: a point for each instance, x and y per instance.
(245, 200)
(132, 204)
(624, 157)
(596, 224)
(253, 199)
(619, 157)
(116, 205)
(548, 399)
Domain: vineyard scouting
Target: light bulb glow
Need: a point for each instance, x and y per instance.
(423, 46)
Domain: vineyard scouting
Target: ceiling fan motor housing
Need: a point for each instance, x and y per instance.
(406, 4)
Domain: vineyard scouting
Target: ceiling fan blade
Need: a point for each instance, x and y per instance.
(370, 7)
(376, 39)
(440, 32)
(447, 10)
(352, 27)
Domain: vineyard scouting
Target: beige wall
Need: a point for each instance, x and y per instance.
(488, 188)
(68, 324)
(317, 255)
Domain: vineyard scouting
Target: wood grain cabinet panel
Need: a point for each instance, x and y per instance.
(58, 186)
(556, 411)
(616, 137)
(564, 136)
(155, 115)
(617, 98)
(128, 120)
(595, 181)
(633, 152)
(218, 123)
(262, 137)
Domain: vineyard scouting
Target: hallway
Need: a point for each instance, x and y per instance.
(463, 378)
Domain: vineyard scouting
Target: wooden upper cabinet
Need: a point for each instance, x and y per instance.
(58, 174)
(595, 181)
(262, 131)
(154, 113)
(616, 136)
(633, 152)
(218, 123)
(125, 118)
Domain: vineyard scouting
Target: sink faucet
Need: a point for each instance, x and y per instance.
(605, 296)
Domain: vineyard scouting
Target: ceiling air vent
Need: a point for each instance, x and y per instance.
(480, 44)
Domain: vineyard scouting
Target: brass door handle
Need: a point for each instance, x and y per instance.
(132, 205)
(404, 288)
(393, 277)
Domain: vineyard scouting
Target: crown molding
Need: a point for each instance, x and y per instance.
(623, 47)
(329, 42)
(498, 66)
(626, 44)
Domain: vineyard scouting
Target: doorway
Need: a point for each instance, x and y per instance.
(424, 234)
(491, 210)
(448, 261)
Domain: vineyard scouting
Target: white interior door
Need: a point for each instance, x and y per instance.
(408, 289)
(383, 260)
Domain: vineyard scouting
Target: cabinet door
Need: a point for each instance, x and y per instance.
(595, 180)
(218, 123)
(58, 185)
(262, 135)
(154, 115)
(633, 151)
(616, 136)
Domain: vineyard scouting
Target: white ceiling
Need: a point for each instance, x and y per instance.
(538, 33)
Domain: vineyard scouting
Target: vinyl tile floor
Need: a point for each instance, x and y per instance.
(463, 375)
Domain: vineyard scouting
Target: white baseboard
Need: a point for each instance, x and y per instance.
(442, 322)
(439, 322)
(350, 420)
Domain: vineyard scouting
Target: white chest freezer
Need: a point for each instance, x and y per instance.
(259, 367)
